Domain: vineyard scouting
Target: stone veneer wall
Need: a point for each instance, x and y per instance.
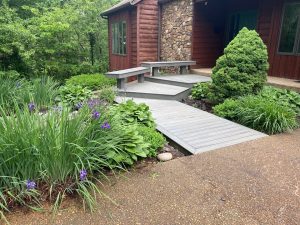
(176, 30)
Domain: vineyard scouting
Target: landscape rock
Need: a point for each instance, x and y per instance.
(165, 157)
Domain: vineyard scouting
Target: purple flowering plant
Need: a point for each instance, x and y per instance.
(96, 115)
(82, 175)
(78, 105)
(30, 185)
(31, 106)
(92, 103)
(105, 126)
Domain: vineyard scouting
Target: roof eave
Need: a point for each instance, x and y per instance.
(110, 11)
(120, 7)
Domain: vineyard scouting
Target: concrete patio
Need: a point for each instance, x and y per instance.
(274, 81)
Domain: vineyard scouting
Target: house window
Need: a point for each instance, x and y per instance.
(290, 30)
(119, 38)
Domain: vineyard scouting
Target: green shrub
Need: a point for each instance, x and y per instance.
(55, 151)
(242, 70)
(285, 97)
(74, 94)
(132, 113)
(259, 113)
(227, 109)
(88, 68)
(155, 139)
(91, 81)
(60, 70)
(201, 90)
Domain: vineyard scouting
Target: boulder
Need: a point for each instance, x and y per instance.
(165, 157)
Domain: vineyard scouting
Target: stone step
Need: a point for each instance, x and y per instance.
(152, 90)
(187, 80)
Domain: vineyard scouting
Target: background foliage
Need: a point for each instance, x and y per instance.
(58, 37)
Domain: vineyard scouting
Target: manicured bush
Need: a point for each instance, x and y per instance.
(227, 109)
(91, 81)
(242, 70)
(259, 113)
(132, 113)
(154, 138)
(201, 90)
(285, 97)
(59, 153)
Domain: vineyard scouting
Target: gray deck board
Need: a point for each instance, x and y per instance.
(187, 78)
(149, 87)
(195, 130)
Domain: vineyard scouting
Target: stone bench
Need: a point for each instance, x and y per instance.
(121, 75)
(183, 65)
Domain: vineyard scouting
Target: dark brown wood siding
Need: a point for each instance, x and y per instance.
(207, 44)
(147, 30)
(287, 66)
(208, 40)
(209, 26)
(118, 62)
(142, 35)
(133, 19)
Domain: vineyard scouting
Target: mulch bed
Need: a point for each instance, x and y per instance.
(200, 104)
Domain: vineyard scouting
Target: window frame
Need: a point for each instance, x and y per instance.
(297, 39)
(119, 41)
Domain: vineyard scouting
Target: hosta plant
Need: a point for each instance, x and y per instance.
(132, 113)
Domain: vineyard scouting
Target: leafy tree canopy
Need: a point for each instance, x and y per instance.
(53, 37)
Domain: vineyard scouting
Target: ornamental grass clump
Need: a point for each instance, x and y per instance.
(242, 70)
(42, 91)
(259, 113)
(56, 154)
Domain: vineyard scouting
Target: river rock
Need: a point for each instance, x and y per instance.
(165, 157)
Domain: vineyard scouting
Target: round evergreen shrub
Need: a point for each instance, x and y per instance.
(242, 70)
(227, 109)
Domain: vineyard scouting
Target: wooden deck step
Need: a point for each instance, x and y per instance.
(187, 80)
(151, 90)
(195, 130)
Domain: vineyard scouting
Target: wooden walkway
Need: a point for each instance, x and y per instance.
(195, 130)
